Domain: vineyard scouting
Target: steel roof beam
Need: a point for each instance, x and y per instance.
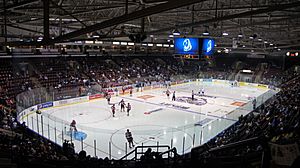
(25, 29)
(266, 22)
(285, 46)
(20, 4)
(233, 16)
(46, 20)
(172, 4)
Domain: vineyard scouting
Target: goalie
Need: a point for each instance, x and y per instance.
(235, 83)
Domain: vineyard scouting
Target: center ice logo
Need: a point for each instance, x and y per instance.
(174, 106)
(187, 45)
(185, 99)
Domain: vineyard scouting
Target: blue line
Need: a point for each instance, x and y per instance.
(189, 111)
(217, 96)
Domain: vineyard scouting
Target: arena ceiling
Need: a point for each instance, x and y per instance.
(253, 23)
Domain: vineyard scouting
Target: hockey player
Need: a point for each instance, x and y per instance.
(129, 138)
(254, 103)
(113, 110)
(168, 93)
(108, 97)
(116, 92)
(73, 126)
(201, 92)
(236, 83)
(192, 94)
(173, 97)
(128, 108)
(123, 90)
(130, 92)
(122, 103)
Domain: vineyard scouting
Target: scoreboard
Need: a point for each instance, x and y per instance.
(292, 54)
(193, 48)
(186, 56)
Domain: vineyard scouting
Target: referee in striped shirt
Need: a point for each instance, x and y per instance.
(129, 138)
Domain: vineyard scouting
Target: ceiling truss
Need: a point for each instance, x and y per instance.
(65, 20)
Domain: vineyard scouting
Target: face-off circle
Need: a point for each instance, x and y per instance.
(77, 135)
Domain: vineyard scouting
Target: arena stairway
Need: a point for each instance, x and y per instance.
(232, 75)
(230, 155)
(261, 68)
(3, 53)
(162, 62)
(258, 76)
(33, 73)
(164, 156)
(113, 63)
(138, 61)
(6, 163)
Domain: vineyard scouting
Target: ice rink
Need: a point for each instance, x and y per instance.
(154, 119)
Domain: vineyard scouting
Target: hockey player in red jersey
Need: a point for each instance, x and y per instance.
(73, 126)
(128, 108)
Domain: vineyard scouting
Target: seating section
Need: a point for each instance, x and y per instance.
(277, 121)
(12, 81)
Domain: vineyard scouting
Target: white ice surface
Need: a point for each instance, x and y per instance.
(167, 126)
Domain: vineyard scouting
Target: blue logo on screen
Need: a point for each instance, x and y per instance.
(186, 46)
(208, 46)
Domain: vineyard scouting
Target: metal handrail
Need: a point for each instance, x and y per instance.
(235, 144)
(136, 152)
(127, 155)
(170, 150)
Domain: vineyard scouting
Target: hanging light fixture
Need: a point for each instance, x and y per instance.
(225, 34)
(240, 35)
(176, 32)
(171, 35)
(95, 35)
(206, 33)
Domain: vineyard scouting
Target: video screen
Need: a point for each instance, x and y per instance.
(186, 46)
(208, 47)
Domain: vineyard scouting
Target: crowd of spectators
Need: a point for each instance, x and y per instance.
(275, 77)
(123, 71)
(12, 82)
(20, 142)
(57, 73)
(60, 74)
(276, 121)
(212, 74)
